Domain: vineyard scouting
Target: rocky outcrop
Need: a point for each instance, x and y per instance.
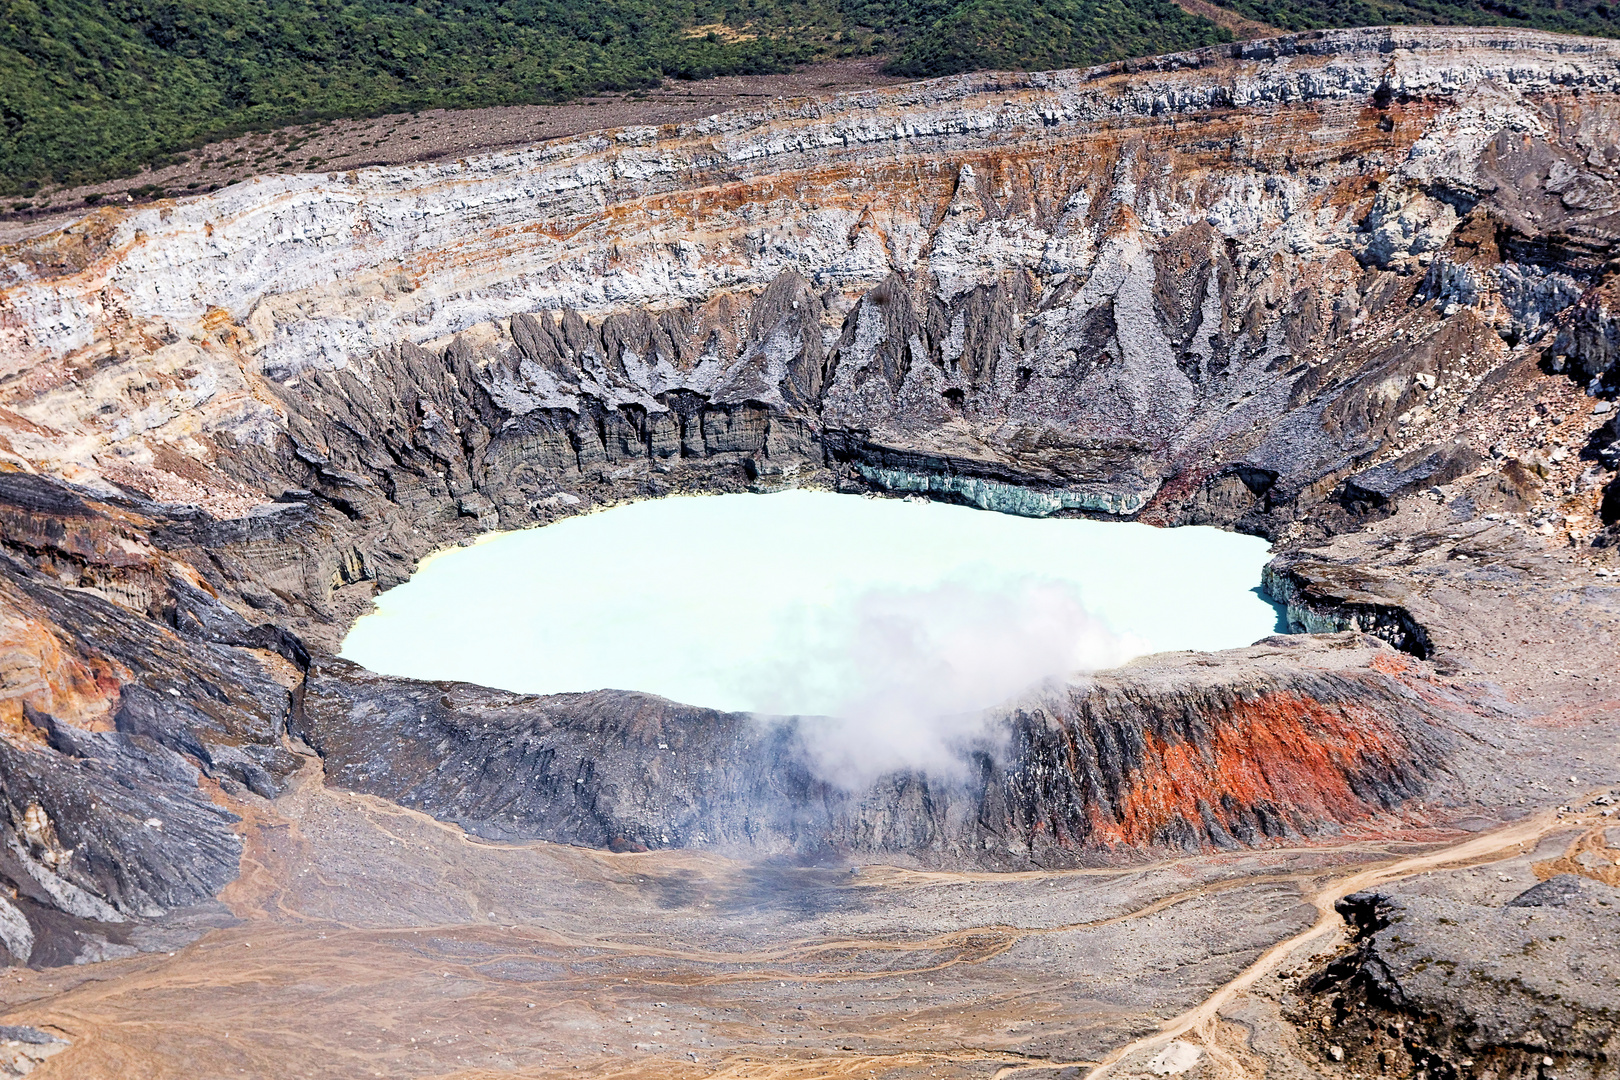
(1437, 985)
(1278, 287)
(1177, 751)
(1322, 597)
(23, 1048)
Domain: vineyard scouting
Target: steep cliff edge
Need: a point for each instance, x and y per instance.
(1453, 980)
(1294, 287)
(1175, 751)
(1229, 286)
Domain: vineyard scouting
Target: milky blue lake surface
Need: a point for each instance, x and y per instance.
(813, 603)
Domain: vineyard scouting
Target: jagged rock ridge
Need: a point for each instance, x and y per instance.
(1272, 287)
(1184, 753)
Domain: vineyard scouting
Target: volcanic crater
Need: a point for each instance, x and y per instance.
(1349, 291)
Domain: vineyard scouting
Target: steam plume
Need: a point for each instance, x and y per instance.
(907, 676)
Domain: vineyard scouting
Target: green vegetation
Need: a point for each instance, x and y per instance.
(1036, 34)
(1565, 16)
(95, 89)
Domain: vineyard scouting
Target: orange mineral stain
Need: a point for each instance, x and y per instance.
(1281, 750)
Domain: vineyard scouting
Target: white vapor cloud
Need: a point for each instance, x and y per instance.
(906, 676)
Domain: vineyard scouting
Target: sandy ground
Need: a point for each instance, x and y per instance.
(439, 135)
(364, 939)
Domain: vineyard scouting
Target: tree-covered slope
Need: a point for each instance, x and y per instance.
(1037, 34)
(90, 89)
(1592, 17)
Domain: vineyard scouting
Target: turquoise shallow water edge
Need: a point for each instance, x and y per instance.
(813, 602)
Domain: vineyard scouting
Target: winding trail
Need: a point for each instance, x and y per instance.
(437, 978)
(1485, 848)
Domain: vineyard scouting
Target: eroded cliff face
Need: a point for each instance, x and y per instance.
(1176, 752)
(1524, 989)
(1211, 287)
(1288, 287)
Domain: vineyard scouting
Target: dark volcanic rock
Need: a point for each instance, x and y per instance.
(1374, 489)
(107, 825)
(1567, 890)
(1452, 987)
(1179, 751)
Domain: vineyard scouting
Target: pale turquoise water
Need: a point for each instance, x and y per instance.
(810, 602)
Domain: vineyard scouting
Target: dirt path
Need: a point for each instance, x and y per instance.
(1243, 29)
(1495, 846)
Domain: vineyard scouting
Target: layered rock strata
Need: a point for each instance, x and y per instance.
(1216, 286)
(1288, 287)
(1178, 751)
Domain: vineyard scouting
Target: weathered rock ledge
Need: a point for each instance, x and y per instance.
(1180, 750)
(1316, 289)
